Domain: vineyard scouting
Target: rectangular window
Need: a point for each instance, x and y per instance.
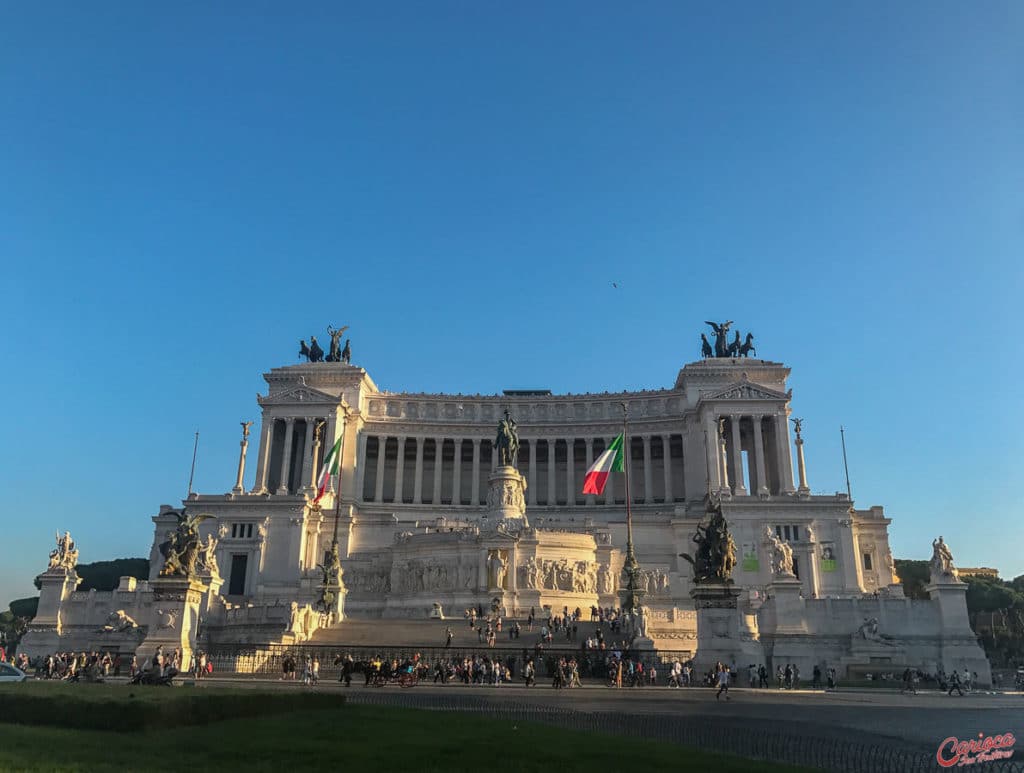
(867, 562)
(248, 530)
(785, 530)
(796, 534)
(778, 532)
(234, 531)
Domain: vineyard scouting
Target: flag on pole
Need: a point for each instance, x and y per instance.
(331, 464)
(608, 462)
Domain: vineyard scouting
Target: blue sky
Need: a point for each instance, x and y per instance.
(188, 190)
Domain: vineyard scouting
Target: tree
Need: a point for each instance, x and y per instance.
(914, 575)
(105, 575)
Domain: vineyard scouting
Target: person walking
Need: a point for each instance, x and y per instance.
(954, 683)
(723, 683)
(448, 637)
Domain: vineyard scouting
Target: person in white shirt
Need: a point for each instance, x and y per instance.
(723, 683)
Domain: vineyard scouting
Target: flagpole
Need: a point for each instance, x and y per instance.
(192, 474)
(630, 565)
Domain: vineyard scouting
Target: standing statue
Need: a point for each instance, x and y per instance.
(705, 347)
(335, 352)
(715, 557)
(748, 346)
(496, 567)
(780, 554)
(181, 550)
(507, 443)
(942, 569)
(798, 425)
(207, 562)
(346, 353)
(65, 555)
(316, 354)
(721, 338)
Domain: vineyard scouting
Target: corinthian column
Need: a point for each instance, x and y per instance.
(262, 464)
(737, 457)
(417, 485)
(286, 461)
(648, 471)
(241, 457)
(762, 480)
(531, 490)
(400, 471)
(475, 488)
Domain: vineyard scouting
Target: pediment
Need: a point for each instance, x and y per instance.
(745, 390)
(300, 395)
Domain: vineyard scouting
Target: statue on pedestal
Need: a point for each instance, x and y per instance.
(207, 561)
(780, 554)
(715, 557)
(65, 555)
(182, 547)
(506, 445)
(497, 567)
(942, 569)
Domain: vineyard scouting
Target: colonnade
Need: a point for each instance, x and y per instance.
(435, 470)
(287, 463)
(764, 439)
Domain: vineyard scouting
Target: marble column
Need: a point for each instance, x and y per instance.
(400, 471)
(263, 463)
(243, 447)
(311, 475)
(360, 467)
(552, 496)
(738, 487)
(648, 472)
(666, 444)
(723, 463)
(570, 473)
(531, 483)
(711, 455)
(438, 462)
(762, 480)
(417, 484)
(286, 461)
(803, 489)
(457, 472)
(378, 492)
(475, 489)
(589, 500)
(785, 459)
(307, 453)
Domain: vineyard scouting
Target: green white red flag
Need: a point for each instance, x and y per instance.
(332, 463)
(608, 462)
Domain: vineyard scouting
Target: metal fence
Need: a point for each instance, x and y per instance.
(707, 733)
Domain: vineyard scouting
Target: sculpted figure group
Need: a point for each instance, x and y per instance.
(722, 347)
(942, 569)
(65, 555)
(182, 547)
(715, 557)
(780, 554)
(314, 353)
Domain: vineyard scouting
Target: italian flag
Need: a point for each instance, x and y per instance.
(608, 462)
(331, 465)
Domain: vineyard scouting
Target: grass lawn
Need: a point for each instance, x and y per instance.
(327, 736)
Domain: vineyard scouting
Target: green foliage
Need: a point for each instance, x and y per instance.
(987, 594)
(104, 575)
(914, 576)
(25, 607)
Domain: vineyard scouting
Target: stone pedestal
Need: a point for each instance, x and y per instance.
(784, 594)
(723, 631)
(174, 618)
(336, 609)
(506, 490)
(959, 648)
(44, 631)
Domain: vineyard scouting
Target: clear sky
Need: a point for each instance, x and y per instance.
(187, 189)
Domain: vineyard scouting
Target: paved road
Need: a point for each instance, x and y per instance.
(879, 716)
